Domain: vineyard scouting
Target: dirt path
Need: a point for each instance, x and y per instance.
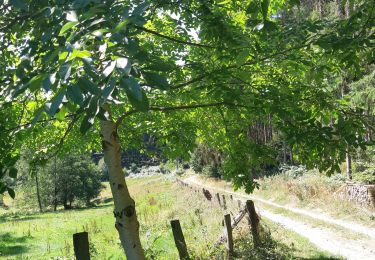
(324, 238)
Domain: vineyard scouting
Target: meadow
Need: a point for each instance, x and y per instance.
(159, 199)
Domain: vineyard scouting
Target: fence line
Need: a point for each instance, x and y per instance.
(81, 242)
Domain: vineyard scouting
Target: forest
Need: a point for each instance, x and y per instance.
(120, 117)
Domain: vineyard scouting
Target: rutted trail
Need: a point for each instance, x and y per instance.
(323, 238)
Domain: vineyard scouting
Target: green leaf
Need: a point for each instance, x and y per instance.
(93, 108)
(60, 116)
(110, 67)
(74, 93)
(36, 82)
(55, 103)
(89, 69)
(81, 54)
(160, 66)
(121, 26)
(156, 80)
(132, 88)
(141, 105)
(86, 124)
(11, 192)
(253, 9)
(65, 70)
(48, 82)
(141, 8)
(123, 65)
(242, 57)
(19, 4)
(66, 27)
(135, 94)
(103, 115)
(37, 116)
(108, 89)
(13, 172)
(88, 86)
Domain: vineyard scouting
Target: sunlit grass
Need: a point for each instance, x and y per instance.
(158, 200)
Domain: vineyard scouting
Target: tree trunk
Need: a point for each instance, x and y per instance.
(126, 223)
(55, 189)
(38, 192)
(348, 164)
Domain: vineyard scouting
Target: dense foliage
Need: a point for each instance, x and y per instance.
(239, 61)
(68, 181)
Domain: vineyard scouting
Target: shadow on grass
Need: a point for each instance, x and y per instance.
(13, 245)
(18, 217)
(25, 216)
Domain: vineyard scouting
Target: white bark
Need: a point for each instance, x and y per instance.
(127, 224)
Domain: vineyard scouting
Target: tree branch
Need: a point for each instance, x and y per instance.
(30, 123)
(175, 108)
(173, 39)
(62, 139)
(236, 66)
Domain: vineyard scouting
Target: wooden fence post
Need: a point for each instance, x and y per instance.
(228, 230)
(218, 198)
(224, 202)
(254, 222)
(81, 246)
(179, 239)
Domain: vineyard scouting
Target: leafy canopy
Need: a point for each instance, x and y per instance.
(210, 67)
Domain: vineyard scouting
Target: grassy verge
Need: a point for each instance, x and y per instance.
(311, 192)
(159, 200)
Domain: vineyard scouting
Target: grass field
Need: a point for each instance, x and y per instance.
(158, 200)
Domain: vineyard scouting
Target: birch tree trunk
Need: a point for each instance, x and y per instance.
(126, 224)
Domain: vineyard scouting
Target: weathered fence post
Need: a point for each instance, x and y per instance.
(81, 246)
(254, 222)
(224, 202)
(218, 198)
(179, 239)
(228, 230)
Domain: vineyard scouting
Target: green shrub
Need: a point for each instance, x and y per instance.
(364, 170)
(212, 171)
(195, 163)
(293, 172)
(206, 161)
(365, 177)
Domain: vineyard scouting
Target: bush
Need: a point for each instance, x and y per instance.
(212, 171)
(206, 161)
(365, 177)
(293, 172)
(195, 162)
(364, 172)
